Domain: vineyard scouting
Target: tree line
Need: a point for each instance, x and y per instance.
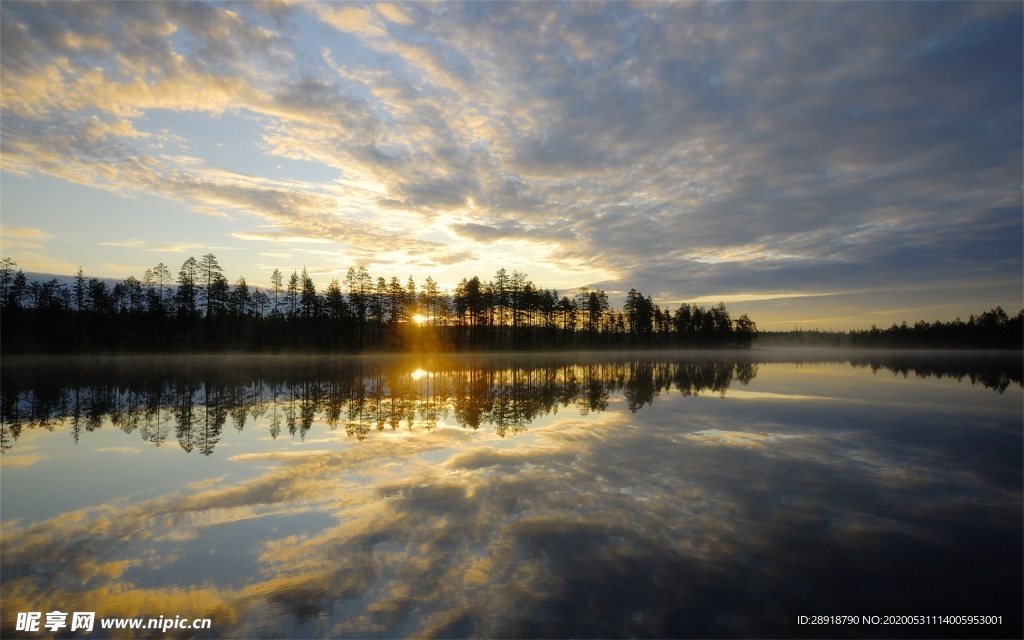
(992, 329)
(198, 310)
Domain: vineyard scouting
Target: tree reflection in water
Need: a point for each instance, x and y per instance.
(192, 398)
(815, 488)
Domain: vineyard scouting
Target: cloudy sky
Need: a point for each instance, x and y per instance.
(813, 164)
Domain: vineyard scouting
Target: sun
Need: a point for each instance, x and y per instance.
(419, 318)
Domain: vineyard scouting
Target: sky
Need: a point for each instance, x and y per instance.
(823, 165)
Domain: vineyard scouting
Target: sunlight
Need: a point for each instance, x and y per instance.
(417, 374)
(419, 318)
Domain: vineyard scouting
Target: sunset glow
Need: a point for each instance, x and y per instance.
(820, 164)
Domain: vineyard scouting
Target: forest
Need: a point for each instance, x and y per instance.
(197, 310)
(992, 329)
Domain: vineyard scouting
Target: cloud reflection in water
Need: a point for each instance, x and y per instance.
(664, 514)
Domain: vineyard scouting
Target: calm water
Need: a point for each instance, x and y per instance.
(676, 495)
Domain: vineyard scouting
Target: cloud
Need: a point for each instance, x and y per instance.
(135, 242)
(743, 297)
(24, 234)
(509, 231)
(394, 13)
(677, 147)
(34, 257)
(282, 238)
(356, 20)
(179, 247)
(29, 247)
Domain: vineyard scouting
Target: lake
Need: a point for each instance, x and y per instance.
(679, 494)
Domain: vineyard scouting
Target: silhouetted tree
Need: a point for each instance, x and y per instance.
(79, 290)
(276, 284)
(187, 288)
(360, 289)
(744, 332)
(209, 276)
(640, 315)
(291, 295)
(157, 280)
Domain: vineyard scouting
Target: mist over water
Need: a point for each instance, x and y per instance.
(654, 495)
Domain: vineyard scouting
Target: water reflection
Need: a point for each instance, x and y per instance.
(638, 503)
(190, 400)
